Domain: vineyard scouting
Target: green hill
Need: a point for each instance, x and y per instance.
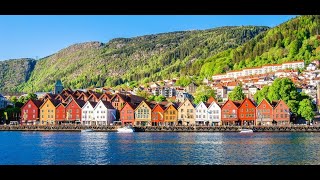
(296, 39)
(14, 72)
(145, 58)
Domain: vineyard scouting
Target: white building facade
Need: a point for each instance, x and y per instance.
(201, 114)
(104, 113)
(214, 114)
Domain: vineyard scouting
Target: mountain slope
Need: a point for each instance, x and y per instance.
(296, 39)
(14, 72)
(145, 58)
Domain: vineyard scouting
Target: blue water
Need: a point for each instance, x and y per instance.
(100, 148)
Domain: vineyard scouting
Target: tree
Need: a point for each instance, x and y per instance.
(13, 99)
(261, 94)
(306, 110)
(203, 93)
(236, 94)
(159, 98)
(31, 96)
(143, 94)
(150, 98)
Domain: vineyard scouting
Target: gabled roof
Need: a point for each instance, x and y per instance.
(50, 95)
(53, 101)
(109, 96)
(236, 103)
(37, 103)
(133, 106)
(79, 102)
(61, 104)
(205, 104)
(186, 101)
(264, 99)
(214, 102)
(61, 96)
(279, 103)
(210, 100)
(107, 104)
(160, 105)
(85, 94)
(247, 100)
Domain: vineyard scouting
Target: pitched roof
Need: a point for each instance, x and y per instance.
(133, 106)
(38, 103)
(210, 100)
(79, 102)
(107, 104)
(93, 104)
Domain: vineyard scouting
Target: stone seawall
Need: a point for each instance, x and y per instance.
(78, 128)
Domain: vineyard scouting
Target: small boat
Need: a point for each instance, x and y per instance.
(86, 130)
(246, 131)
(125, 129)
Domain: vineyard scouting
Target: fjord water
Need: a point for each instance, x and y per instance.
(109, 148)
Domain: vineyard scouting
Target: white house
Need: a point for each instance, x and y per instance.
(87, 113)
(214, 114)
(201, 114)
(104, 113)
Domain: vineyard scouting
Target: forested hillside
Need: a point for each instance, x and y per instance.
(297, 39)
(14, 72)
(145, 58)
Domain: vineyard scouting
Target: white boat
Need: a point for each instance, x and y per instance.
(86, 130)
(246, 131)
(125, 129)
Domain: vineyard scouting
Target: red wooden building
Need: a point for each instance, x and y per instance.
(30, 112)
(229, 113)
(61, 113)
(247, 112)
(281, 113)
(127, 114)
(264, 115)
(157, 115)
(74, 110)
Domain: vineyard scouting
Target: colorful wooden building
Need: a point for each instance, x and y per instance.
(186, 113)
(229, 113)
(127, 114)
(104, 113)
(48, 111)
(214, 114)
(170, 114)
(30, 112)
(143, 114)
(88, 113)
(60, 113)
(247, 112)
(74, 110)
(157, 115)
(264, 114)
(281, 113)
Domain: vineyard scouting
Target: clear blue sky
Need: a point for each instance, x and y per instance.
(40, 36)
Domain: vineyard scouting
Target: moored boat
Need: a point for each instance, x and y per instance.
(125, 129)
(246, 131)
(86, 130)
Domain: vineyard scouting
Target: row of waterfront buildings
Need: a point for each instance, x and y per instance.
(91, 108)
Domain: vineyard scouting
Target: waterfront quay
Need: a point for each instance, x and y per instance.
(78, 128)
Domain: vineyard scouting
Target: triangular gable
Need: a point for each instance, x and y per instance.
(201, 103)
(185, 102)
(264, 99)
(229, 101)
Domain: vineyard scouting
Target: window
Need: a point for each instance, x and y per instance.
(29, 105)
(281, 115)
(42, 116)
(34, 116)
